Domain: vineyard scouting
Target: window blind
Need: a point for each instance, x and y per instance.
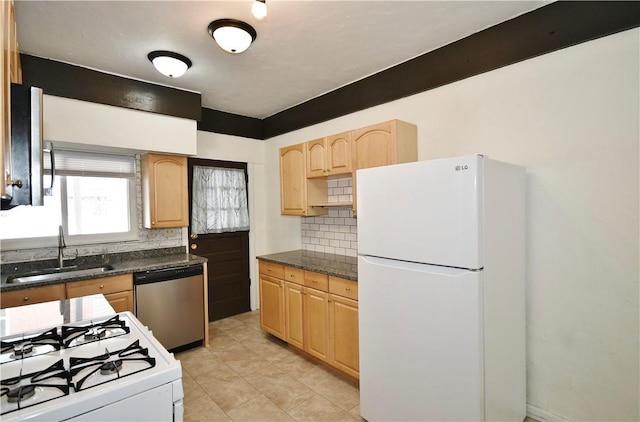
(91, 164)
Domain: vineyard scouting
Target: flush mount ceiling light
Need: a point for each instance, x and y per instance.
(232, 35)
(169, 64)
(259, 9)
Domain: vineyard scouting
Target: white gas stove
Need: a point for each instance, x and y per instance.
(107, 369)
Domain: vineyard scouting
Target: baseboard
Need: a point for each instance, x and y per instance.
(543, 416)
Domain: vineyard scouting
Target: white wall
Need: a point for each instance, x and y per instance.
(82, 122)
(572, 118)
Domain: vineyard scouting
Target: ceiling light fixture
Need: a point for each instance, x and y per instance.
(169, 64)
(232, 35)
(259, 9)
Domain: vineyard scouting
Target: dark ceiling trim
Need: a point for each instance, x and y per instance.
(230, 124)
(544, 30)
(69, 81)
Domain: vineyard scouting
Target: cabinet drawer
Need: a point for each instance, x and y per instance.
(274, 270)
(316, 280)
(34, 295)
(343, 287)
(105, 286)
(294, 275)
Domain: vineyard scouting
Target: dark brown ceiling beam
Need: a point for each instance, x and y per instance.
(69, 81)
(544, 30)
(230, 124)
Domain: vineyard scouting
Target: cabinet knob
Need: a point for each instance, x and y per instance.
(153, 223)
(194, 236)
(194, 246)
(102, 286)
(26, 298)
(348, 289)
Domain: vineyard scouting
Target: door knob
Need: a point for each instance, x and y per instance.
(194, 236)
(194, 246)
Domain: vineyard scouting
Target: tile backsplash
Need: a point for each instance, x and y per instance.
(337, 232)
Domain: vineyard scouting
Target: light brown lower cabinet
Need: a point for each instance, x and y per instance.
(316, 323)
(343, 335)
(32, 295)
(293, 298)
(118, 290)
(312, 312)
(272, 305)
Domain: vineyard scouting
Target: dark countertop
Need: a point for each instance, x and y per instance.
(323, 263)
(122, 263)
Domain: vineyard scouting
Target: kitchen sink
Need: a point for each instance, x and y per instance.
(58, 273)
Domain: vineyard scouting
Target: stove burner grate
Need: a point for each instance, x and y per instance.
(75, 335)
(34, 388)
(30, 345)
(92, 371)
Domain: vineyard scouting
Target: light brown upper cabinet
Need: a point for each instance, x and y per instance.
(330, 156)
(385, 143)
(165, 195)
(296, 191)
(11, 73)
(382, 144)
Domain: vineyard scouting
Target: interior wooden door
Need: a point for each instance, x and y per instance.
(228, 279)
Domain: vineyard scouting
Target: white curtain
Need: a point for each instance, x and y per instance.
(219, 201)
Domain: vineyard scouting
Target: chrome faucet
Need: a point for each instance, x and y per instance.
(61, 245)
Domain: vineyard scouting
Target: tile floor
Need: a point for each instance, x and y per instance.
(246, 375)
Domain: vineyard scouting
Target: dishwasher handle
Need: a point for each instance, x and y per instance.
(165, 274)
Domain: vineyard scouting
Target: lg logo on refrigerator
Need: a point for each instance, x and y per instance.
(465, 167)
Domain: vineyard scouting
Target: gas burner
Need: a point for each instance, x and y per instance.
(22, 350)
(110, 368)
(91, 371)
(38, 387)
(95, 334)
(75, 335)
(29, 345)
(16, 395)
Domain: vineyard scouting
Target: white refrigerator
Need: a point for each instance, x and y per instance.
(441, 264)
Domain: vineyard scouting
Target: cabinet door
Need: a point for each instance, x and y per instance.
(374, 146)
(338, 149)
(272, 306)
(293, 193)
(122, 301)
(316, 323)
(293, 314)
(33, 295)
(316, 158)
(165, 191)
(343, 335)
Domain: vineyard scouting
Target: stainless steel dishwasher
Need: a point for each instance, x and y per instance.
(170, 301)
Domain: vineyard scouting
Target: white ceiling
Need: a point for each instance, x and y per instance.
(304, 48)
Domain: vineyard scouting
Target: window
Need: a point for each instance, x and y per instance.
(93, 198)
(219, 200)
